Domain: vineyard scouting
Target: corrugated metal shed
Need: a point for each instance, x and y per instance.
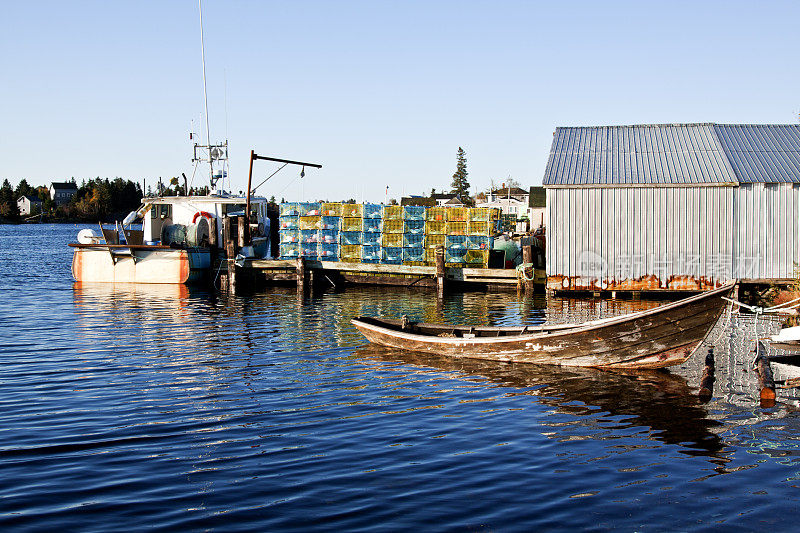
(674, 154)
(672, 206)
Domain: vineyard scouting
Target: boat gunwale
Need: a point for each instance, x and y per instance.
(542, 334)
(136, 247)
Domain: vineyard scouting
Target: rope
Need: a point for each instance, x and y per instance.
(253, 190)
(724, 327)
(785, 304)
(191, 181)
(287, 185)
(214, 284)
(755, 338)
(521, 271)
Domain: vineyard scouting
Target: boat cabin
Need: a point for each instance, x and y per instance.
(158, 213)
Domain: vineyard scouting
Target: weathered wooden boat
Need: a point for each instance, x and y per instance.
(659, 337)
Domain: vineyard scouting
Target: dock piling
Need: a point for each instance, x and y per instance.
(440, 270)
(766, 383)
(242, 226)
(527, 259)
(707, 382)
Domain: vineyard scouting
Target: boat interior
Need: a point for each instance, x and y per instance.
(449, 330)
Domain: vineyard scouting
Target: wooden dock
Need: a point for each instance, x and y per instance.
(253, 273)
(243, 274)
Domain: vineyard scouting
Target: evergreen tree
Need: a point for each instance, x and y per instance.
(8, 202)
(460, 185)
(23, 189)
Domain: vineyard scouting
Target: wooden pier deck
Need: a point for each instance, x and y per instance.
(243, 274)
(259, 272)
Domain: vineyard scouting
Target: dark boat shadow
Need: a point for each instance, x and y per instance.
(656, 399)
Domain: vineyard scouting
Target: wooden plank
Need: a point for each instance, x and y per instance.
(371, 268)
(498, 281)
(366, 279)
(280, 276)
(268, 264)
(767, 281)
(490, 273)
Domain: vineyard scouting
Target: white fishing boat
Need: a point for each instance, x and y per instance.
(180, 238)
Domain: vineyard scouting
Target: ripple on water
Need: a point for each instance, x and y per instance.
(178, 408)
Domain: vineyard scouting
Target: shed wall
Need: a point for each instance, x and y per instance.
(767, 229)
(670, 237)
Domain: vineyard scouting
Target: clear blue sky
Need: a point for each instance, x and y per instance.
(379, 92)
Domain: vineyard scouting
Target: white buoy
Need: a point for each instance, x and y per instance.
(88, 236)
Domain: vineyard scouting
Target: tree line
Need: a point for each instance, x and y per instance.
(99, 199)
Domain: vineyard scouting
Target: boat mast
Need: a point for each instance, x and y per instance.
(205, 96)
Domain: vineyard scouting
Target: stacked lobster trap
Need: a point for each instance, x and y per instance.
(391, 234)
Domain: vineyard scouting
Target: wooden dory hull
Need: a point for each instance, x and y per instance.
(660, 337)
(144, 266)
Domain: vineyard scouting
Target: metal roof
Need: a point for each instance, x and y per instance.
(762, 153)
(681, 154)
(66, 185)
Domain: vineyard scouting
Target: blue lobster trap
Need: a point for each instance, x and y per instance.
(414, 254)
(371, 238)
(413, 240)
(290, 250)
(456, 242)
(329, 222)
(392, 255)
(371, 254)
(414, 212)
(414, 226)
(329, 236)
(309, 250)
(373, 225)
(328, 252)
(373, 210)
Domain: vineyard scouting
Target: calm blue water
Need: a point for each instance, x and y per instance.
(132, 408)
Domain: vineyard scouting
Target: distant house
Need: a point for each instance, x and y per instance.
(448, 199)
(537, 207)
(62, 193)
(418, 200)
(29, 205)
(510, 201)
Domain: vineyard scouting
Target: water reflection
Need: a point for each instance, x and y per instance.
(660, 401)
(181, 327)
